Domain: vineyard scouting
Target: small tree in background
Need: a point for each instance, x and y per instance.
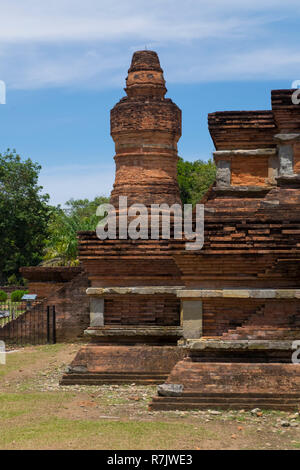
(79, 214)
(194, 179)
(24, 215)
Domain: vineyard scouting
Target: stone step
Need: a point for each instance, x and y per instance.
(116, 375)
(247, 401)
(266, 329)
(98, 381)
(113, 378)
(261, 328)
(245, 395)
(257, 332)
(234, 400)
(215, 404)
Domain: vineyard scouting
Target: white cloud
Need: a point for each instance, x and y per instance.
(61, 20)
(261, 64)
(70, 42)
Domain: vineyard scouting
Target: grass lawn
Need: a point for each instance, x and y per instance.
(36, 413)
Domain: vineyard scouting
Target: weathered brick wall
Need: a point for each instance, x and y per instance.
(250, 171)
(72, 308)
(243, 319)
(142, 310)
(286, 114)
(236, 378)
(43, 289)
(9, 289)
(220, 315)
(242, 129)
(247, 242)
(121, 359)
(127, 262)
(45, 280)
(255, 129)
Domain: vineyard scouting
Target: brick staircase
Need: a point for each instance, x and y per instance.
(227, 401)
(113, 378)
(118, 364)
(265, 325)
(232, 386)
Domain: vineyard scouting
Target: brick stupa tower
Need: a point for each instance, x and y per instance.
(135, 314)
(146, 127)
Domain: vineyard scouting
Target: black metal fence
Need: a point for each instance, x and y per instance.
(27, 323)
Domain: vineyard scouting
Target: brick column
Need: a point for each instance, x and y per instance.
(286, 157)
(285, 144)
(223, 177)
(191, 318)
(96, 311)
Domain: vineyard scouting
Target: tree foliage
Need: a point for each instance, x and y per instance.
(79, 214)
(24, 215)
(194, 179)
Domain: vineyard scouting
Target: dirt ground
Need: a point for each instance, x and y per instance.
(37, 413)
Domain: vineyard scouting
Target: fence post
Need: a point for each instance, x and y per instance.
(53, 324)
(48, 324)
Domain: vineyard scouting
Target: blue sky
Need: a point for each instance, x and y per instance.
(65, 62)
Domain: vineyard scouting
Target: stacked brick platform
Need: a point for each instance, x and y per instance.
(252, 241)
(145, 365)
(241, 290)
(247, 129)
(43, 281)
(232, 386)
(10, 289)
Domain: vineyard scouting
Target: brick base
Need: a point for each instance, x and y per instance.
(233, 385)
(96, 364)
(229, 401)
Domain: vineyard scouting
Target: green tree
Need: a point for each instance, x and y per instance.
(85, 209)
(194, 179)
(79, 214)
(24, 215)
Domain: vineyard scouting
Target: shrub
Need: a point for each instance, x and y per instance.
(3, 296)
(16, 295)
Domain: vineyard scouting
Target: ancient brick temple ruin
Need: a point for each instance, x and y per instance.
(215, 326)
